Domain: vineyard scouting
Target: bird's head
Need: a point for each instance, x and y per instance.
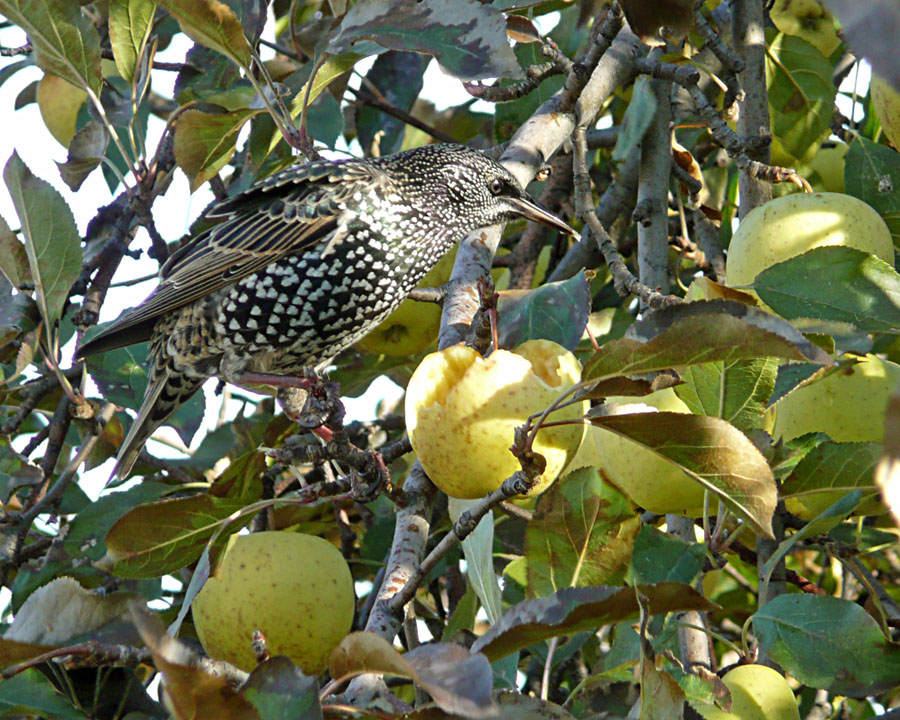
(468, 189)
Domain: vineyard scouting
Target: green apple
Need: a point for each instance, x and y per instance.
(757, 693)
(462, 411)
(809, 20)
(848, 405)
(790, 225)
(826, 168)
(887, 107)
(647, 479)
(295, 588)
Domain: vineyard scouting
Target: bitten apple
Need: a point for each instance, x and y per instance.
(295, 588)
(462, 411)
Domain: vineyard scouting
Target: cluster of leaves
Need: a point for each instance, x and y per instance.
(593, 590)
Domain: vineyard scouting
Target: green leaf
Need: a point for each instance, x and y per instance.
(638, 116)
(204, 142)
(700, 332)
(834, 283)
(278, 690)
(801, 93)
(85, 538)
(582, 534)
(129, 26)
(324, 120)
(712, 452)
(556, 311)
(161, 537)
(31, 693)
(829, 643)
(659, 557)
(13, 258)
(121, 375)
(572, 610)
(468, 38)
(213, 24)
(9, 70)
(52, 241)
(65, 41)
(15, 471)
(398, 77)
(210, 77)
(872, 174)
(824, 523)
(737, 391)
(834, 469)
(509, 116)
(332, 68)
(18, 315)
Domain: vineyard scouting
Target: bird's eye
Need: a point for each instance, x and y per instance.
(496, 186)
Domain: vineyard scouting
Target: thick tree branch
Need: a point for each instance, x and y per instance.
(748, 31)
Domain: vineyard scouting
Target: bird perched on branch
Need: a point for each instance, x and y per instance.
(302, 265)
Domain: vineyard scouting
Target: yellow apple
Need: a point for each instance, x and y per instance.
(848, 405)
(790, 225)
(414, 325)
(649, 481)
(296, 589)
(809, 20)
(462, 410)
(887, 106)
(757, 693)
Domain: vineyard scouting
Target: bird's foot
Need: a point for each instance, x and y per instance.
(308, 398)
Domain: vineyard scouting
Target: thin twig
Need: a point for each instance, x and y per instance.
(25, 49)
(557, 64)
(625, 282)
(519, 483)
(93, 654)
(582, 71)
(401, 114)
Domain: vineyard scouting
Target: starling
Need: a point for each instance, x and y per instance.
(301, 266)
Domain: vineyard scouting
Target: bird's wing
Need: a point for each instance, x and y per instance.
(284, 215)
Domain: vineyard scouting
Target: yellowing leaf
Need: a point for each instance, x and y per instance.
(213, 24)
(59, 102)
(65, 41)
(129, 25)
(204, 142)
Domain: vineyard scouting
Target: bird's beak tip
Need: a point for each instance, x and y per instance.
(530, 210)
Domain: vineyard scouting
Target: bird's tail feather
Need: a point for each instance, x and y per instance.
(165, 394)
